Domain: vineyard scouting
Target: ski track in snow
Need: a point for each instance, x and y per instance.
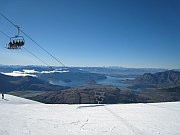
(164, 107)
(20, 116)
(84, 124)
(124, 121)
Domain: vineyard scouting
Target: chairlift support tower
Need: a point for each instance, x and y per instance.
(99, 97)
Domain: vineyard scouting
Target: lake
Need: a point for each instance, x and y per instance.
(114, 81)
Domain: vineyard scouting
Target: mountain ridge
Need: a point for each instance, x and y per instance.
(166, 79)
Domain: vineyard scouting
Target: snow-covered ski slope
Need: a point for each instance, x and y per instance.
(20, 116)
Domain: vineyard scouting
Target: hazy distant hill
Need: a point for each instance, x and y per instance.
(9, 83)
(121, 71)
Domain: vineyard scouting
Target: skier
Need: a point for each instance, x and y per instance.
(2, 95)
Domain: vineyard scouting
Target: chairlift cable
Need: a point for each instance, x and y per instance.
(8, 20)
(30, 52)
(37, 57)
(42, 48)
(5, 34)
(32, 40)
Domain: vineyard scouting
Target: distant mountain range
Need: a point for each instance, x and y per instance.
(155, 87)
(113, 71)
(121, 71)
(164, 79)
(27, 83)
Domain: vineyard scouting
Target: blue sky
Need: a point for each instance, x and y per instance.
(128, 33)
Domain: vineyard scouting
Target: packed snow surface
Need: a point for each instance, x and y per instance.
(20, 116)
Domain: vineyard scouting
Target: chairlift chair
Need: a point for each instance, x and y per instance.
(16, 42)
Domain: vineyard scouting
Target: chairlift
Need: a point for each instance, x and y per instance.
(99, 97)
(16, 42)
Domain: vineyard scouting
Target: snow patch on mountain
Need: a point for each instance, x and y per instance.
(19, 73)
(54, 71)
(33, 73)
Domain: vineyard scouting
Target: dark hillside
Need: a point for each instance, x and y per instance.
(85, 95)
(10, 83)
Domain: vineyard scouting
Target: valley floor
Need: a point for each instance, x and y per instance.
(20, 116)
